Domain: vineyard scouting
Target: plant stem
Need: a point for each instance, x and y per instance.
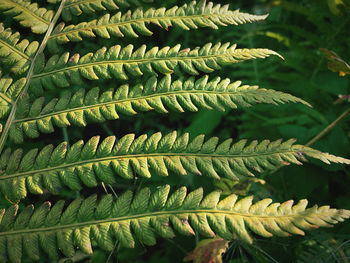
(328, 128)
(321, 134)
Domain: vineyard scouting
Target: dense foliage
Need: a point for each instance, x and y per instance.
(92, 95)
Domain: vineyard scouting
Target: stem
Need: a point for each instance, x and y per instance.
(321, 134)
(29, 76)
(328, 128)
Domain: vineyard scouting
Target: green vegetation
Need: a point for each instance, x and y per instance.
(98, 163)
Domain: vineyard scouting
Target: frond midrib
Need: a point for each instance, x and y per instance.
(14, 49)
(145, 155)
(134, 99)
(155, 214)
(141, 60)
(147, 19)
(29, 13)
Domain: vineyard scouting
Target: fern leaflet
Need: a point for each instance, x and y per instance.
(62, 71)
(28, 14)
(16, 56)
(78, 7)
(160, 95)
(53, 168)
(9, 91)
(147, 215)
(186, 17)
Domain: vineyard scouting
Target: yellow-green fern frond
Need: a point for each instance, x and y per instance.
(161, 95)
(9, 91)
(28, 14)
(15, 54)
(78, 7)
(132, 24)
(53, 168)
(120, 63)
(146, 216)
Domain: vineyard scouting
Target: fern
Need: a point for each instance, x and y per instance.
(117, 62)
(168, 80)
(180, 95)
(185, 17)
(16, 55)
(146, 216)
(87, 164)
(9, 91)
(28, 14)
(78, 7)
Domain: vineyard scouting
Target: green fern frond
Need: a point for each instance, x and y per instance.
(132, 24)
(53, 168)
(9, 91)
(160, 95)
(146, 216)
(28, 14)
(62, 71)
(78, 7)
(16, 54)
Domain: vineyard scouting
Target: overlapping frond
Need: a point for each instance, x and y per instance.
(145, 216)
(160, 95)
(133, 24)
(9, 91)
(117, 62)
(78, 7)
(53, 168)
(16, 54)
(28, 14)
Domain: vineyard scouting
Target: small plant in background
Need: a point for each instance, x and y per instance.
(78, 68)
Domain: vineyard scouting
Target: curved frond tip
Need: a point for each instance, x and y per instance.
(90, 163)
(120, 63)
(133, 24)
(161, 94)
(146, 216)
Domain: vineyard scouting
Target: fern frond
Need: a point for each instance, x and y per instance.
(146, 216)
(9, 91)
(117, 62)
(134, 23)
(87, 164)
(16, 54)
(160, 95)
(78, 7)
(28, 14)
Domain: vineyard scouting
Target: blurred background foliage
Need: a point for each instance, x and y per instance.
(297, 29)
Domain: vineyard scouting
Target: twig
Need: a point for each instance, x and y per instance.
(328, 128)
(321, 134)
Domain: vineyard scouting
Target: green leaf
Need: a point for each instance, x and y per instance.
(144, 157)
(121, 63)
(16, 54)
(161, 95)
(28, 14)
(133, 24)
(75, 231)
(78, 7)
